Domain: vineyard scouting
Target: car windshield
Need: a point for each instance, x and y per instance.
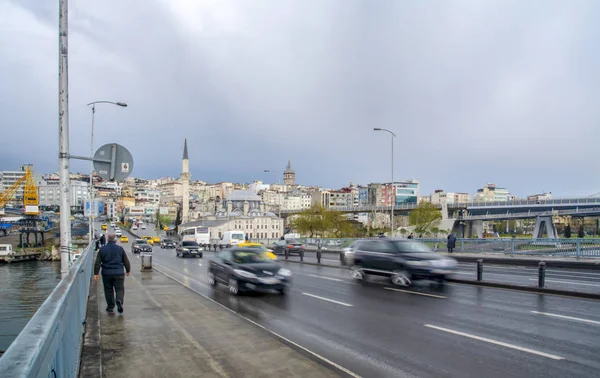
(412, 247)
(140, 241)
(248, 257)
(167, 240)
(189, 244)
(237, 236)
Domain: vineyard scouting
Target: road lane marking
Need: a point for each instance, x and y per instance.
(326, 278)
(475, 337)
(281, 337)
(415, 292)
(467, 273)
(566, 317)
(327, 299)
(567, 282)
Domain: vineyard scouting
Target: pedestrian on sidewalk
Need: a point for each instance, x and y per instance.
(451, 243)
(102, 240)
(112, 259)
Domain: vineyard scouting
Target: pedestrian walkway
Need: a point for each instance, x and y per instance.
(168, 330)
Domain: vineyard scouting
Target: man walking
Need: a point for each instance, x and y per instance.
(112, 259)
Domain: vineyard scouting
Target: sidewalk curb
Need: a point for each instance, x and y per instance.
(530, 289)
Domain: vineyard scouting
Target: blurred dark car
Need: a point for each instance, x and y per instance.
(245, 269)
(404, 261)
(167, 243)
(292, 246)
(140, 245)
(188, 248)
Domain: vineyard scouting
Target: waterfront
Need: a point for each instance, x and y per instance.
(23, 288)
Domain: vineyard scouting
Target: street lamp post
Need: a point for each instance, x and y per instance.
(393, 187)
(92, 105)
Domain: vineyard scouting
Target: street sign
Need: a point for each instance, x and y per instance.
(113, 162)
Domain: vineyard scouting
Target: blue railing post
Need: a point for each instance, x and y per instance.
(578, 248)
(512, 246)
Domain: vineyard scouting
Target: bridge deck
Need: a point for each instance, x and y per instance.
(168, 330)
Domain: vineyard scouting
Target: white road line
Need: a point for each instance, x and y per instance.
(522, 349)
(567, 282)
(325, 278)
(328, 300)
(324, 359)
(467, 273)
(566, 317)
(415, 292)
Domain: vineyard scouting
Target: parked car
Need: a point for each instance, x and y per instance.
(188, 248)
(404, 261)
(124, 239)
(140, 245)
(167, 243)
(244, 269)
(292, 246)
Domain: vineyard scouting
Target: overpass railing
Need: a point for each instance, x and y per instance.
(50, 344)
(578, 248)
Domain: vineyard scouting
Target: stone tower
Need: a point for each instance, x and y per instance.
(184, 178)
(289, 176)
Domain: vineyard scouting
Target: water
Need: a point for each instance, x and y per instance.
(24, 286)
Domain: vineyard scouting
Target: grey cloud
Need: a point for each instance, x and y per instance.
(477, 92)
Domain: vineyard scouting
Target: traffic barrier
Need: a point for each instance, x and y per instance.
(479, 270)
(542, 274)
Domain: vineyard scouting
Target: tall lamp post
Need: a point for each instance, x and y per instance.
(92, 105)
(393, 187)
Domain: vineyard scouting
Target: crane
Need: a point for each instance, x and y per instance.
(30, 194)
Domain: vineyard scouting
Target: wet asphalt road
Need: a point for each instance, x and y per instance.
(375, 330)
(583, 280)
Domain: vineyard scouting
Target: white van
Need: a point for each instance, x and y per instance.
(6, 250)
(232, 238)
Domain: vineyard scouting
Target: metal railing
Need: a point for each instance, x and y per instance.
(50, 344)
(579, 248)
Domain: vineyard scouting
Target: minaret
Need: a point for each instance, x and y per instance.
(289, 176)
(185, 180)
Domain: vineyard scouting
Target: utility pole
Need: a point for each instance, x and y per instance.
(63, 131)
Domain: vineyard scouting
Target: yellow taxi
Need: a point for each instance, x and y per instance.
(165, 228)
(124, 239)
(104, 226)
(259, 247)
(149, 239)
(156, 239)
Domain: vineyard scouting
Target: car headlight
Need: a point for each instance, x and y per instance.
(284, 272)
(185, 249)
(417, 263)
(243, 273)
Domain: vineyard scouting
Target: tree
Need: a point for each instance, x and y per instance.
(164, 220)
(424, 217)
(318, 221)
(178, 218)
(568, 231)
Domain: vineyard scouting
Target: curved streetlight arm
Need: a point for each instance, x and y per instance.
(380, 129)
(122, 104)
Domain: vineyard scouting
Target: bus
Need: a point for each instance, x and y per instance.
(200, 235)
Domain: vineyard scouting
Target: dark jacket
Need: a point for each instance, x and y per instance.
(112, 258)
(451, 241)
(102, 240)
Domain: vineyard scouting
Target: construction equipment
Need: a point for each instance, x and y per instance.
(30, 194)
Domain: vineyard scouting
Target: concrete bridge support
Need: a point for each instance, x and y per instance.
(544, 224)
(473, 228)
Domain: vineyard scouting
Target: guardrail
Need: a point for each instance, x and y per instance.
(579, 248)
(50, 344)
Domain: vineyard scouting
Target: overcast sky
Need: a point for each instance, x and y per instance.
(476, 91)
